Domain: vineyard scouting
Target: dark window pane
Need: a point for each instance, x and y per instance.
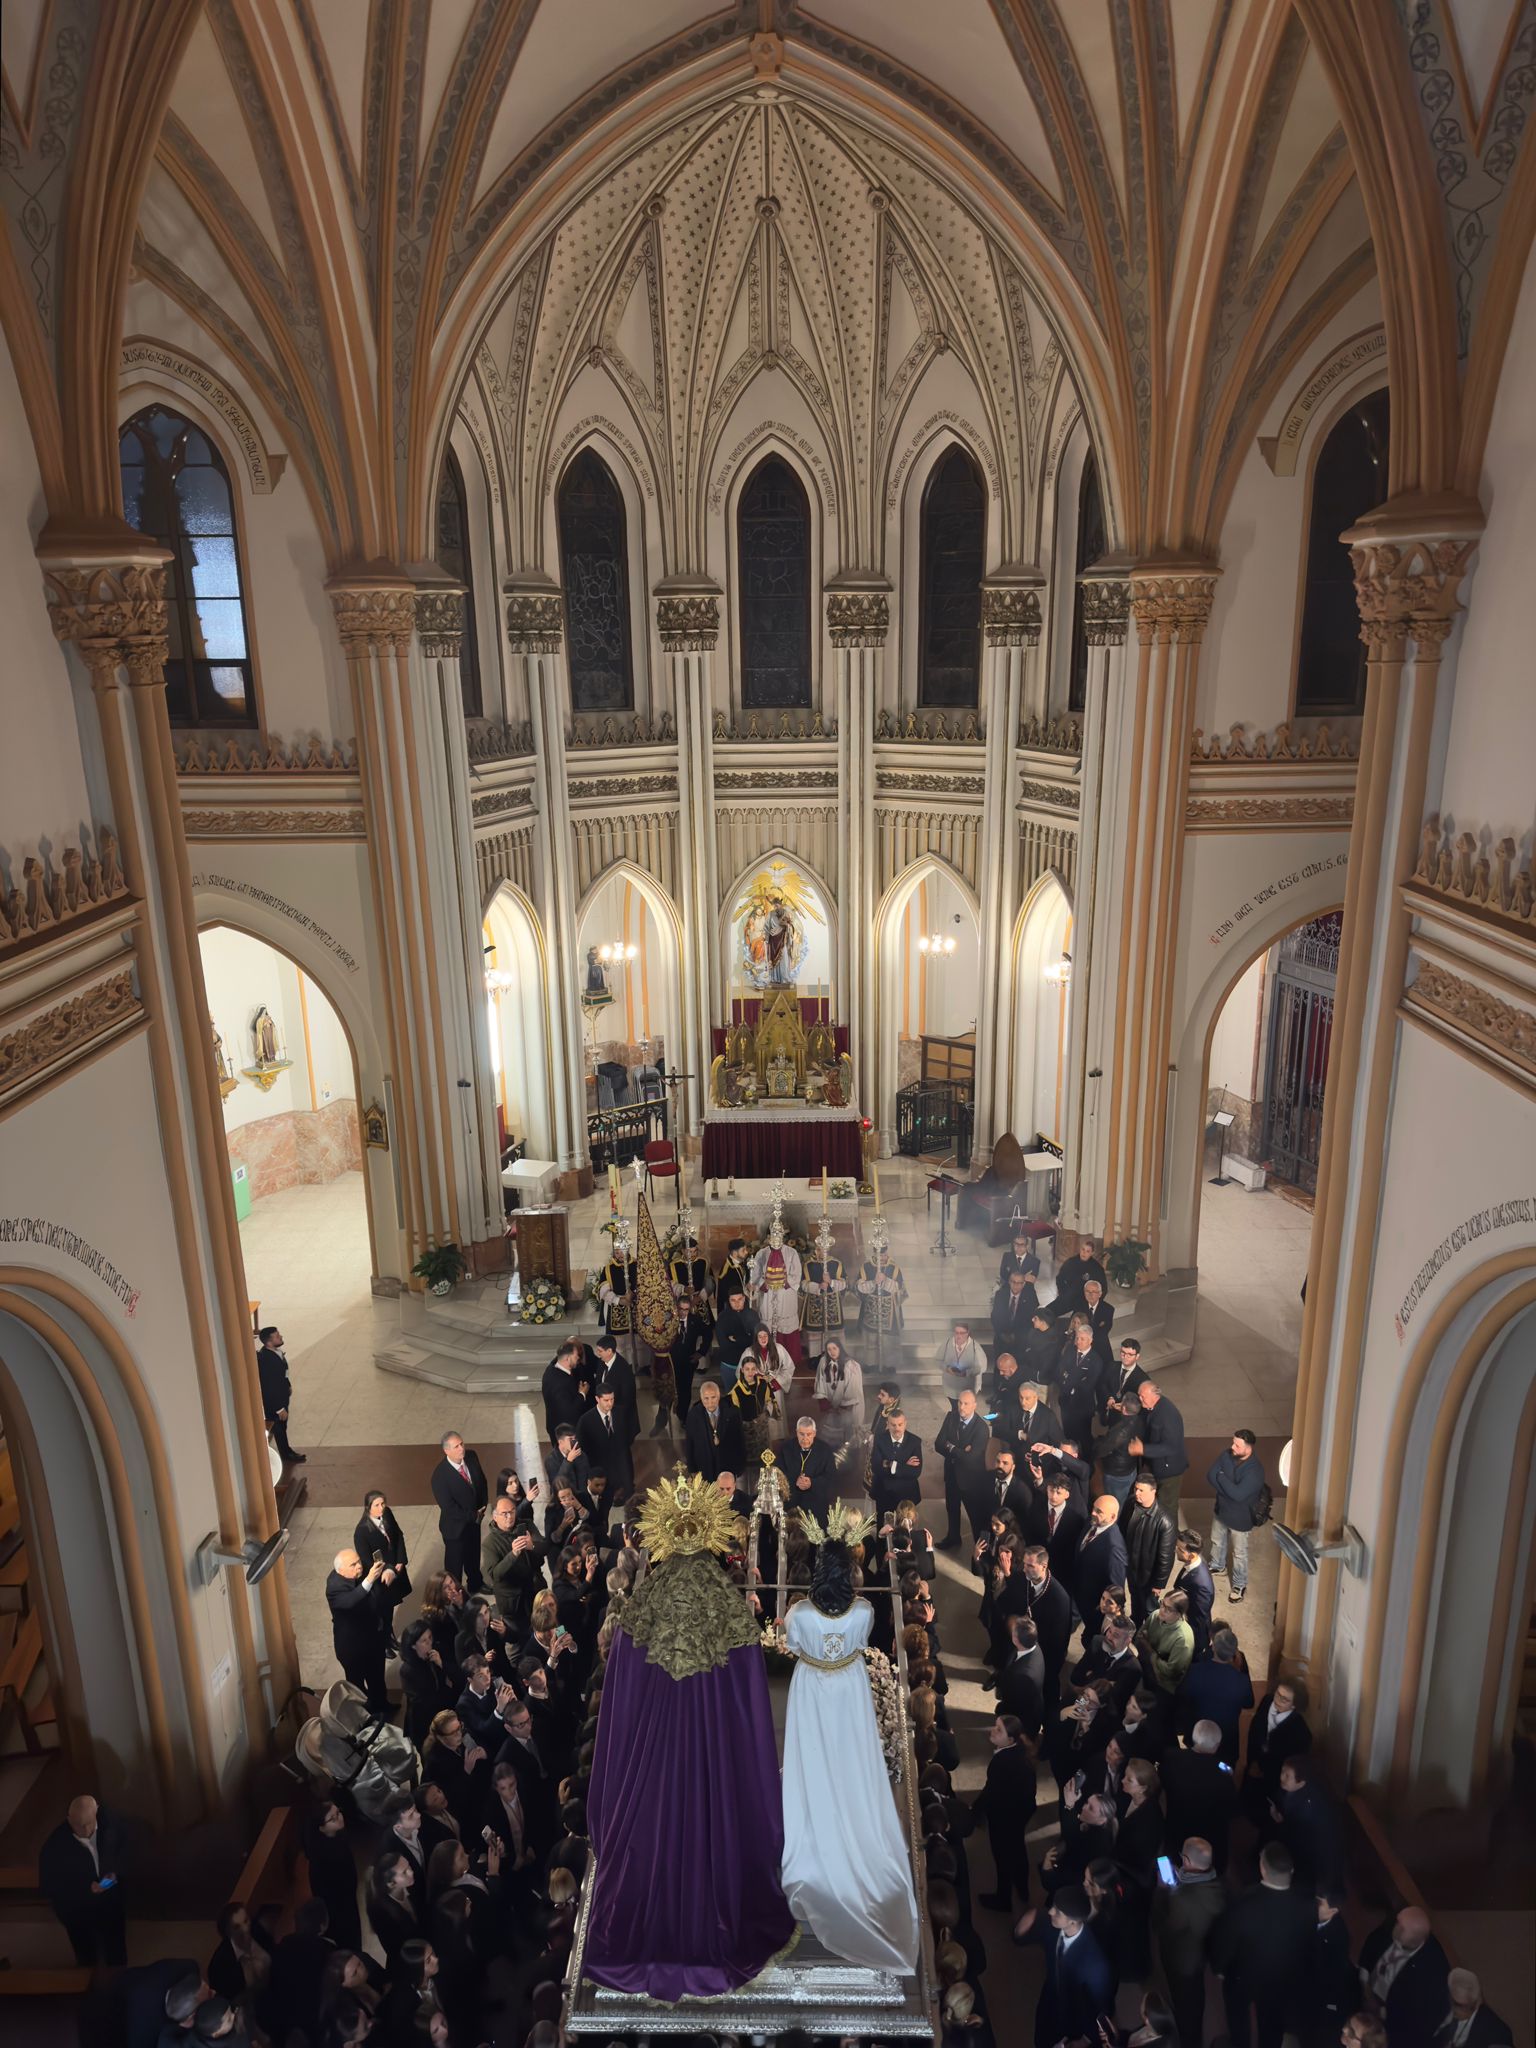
(773, 525)
(1092, 544)
(178, 697)
(228, 683)
(594, 569)
(954, 560)
(1350, 479)
(454, 559)
(203, 498)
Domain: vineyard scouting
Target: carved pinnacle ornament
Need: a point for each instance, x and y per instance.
(1409, 589)
(535, 622)
(1010, 615)
(114, 612)
(858, 618)
(1106, 611)
(1173, 607)
(372, 617)
(440, 623)
(688, 625)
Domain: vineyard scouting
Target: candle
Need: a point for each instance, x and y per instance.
(823, 1190)
(875, 1176)
(613, 1190)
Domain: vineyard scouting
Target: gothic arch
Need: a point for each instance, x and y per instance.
(523, 1013)
(635, 491)
(766, 448)
(731, 896)
(921, 462)
(888, 968)
(1037, 1046)
(676, 996)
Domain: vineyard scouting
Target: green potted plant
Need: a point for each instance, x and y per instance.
(1126, 1262)
(441, 1267)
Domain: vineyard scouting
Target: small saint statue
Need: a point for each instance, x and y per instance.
(264, 1036)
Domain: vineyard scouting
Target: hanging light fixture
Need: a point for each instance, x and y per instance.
(1060, 971)
(617, 955)
(935, 945)
(498, 981)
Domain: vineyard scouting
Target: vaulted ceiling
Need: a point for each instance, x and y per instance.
(1162, 201)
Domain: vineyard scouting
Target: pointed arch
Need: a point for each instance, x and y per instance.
(1037, 1047)
(595, 578)
(890, 968)
(775, 588)
(952, 560)
(520, 1030)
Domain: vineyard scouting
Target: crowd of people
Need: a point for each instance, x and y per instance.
(1143, 1842)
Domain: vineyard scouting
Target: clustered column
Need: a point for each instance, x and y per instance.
(1010, 624)
(858, 619)
(688, 624)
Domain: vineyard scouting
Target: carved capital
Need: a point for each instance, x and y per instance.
(688, 625)
(535, 622)
(440, 623)
(1010, 615)
(1409, 589)
(858, 618)
(1106, 611)
(114, 613)
(373, 617)
(1172, 607)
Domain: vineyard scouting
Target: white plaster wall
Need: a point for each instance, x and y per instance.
(953, 988)
(1235, 1040)
(329, 1050)
(240, 974)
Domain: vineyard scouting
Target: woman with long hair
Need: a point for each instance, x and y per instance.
(442, 1609)
(377, 1539)
(450, 1760)
(839, 1393)
(333, 1873)
(425, 1681)
(482, 1631)
(393, 1912)
(755, 1396)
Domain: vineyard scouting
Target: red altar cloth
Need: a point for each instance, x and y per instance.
(767, 1146)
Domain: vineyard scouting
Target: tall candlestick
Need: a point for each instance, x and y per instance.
(823, 1190)
(875, 1176)
(613, 1190)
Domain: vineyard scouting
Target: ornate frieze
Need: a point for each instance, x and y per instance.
(929, 784)
(372, 617)
(1409, 589)
(1106, 610)
(57, 1037)
(1055, 736)
(1010, 615)
(139, 355)
(50, 898)
(1505, 1029)
(502, 803)
(114, 613)
(1459, 873)
(1234, 813)
(768, 725)
(272, 821)
(1283, 744)
(932, 728)
(612, 788)
(491, 740)
(205, 754)
(688, 624)
(858, 618)
(775, 778)
(1173, 607)
(535, 622)
(1059, 796)
(593, 732)
(440, 623)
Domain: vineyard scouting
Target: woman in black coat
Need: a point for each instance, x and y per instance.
(333, 1873)
(425, 1681)
(459, 1766)
(377, 1536)
(394, 1910)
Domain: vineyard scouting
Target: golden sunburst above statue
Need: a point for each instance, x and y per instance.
(686, 1514)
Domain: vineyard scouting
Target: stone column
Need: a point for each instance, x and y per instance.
(1170, 604)
(1408, 576)
(1010, 624)
(858, 619)
(688, 623)
(535, 626)
(110, 613)
(1096, 910)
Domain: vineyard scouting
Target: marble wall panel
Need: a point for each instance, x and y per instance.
(298, 1148)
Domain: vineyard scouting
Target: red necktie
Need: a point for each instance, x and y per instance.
(464, 1474)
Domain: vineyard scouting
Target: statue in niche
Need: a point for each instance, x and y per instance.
(264, 1037)
(596, 992)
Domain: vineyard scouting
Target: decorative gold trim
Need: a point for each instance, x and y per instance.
(268, 821)
(928, 783)
(1456, 871)
(48, 900)
(1106, 610)
(623, 785)
(376, 1127)
(535, 622)
(492, 740)
(1056, 796)
(1236, 813)
(114, 613)
(585, 732)
(1056, 736)
(440, 623)
(932, 728)
(858, 618)
(1173, 607)
(1505, 1029)
(775, 778)
(1280, 745)
(57, 1037)
(1349, 360)
(688, 625)
(371, 617)
(313, 756)
(1407, 589)
(1010, 615)
(789, 725)
(504, 803)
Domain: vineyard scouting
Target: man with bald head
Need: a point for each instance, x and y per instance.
(77, 1871)
(1100, 1561)
(359, 1626)
(1403, 1972)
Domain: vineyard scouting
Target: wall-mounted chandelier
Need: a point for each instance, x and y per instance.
(936, 945)
(1060, 971)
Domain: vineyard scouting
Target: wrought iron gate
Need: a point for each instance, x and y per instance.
(1300, 1035)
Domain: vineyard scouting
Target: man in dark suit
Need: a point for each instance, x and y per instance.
(460, 1490)
(962, 1444)
(1049, 1605)
(1079, 1987)
(1192, 1578)
(1026, 1421)
(897, 1465)
(612, 1371)
(565, 1388)
(811, 1469)
(1260, 1950)
(1149, 1538)
(600, 1434)
(1078, 1380)
(1009, 1492)
(1071, 1275)
(1100, 1562)
(1161, 1445)
(1469, 2023)
(276, 1391)
(1403, 1971)
(1122, 1382)
(1101, 1320)
(78, 1868)
(1278, 1730)
(1199, 1794)
(360, 1625)
(537, 1786)
(1216, 1689)
(1332, 1994)
(564, 1460)
(1007, 1802)
(1309, 1823)
(1112, 1656)
(1013, 1305)
(1056, 1521)
(1021, 1680)
(712, 1435)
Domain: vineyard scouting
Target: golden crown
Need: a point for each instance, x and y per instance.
(844, 1525)
(685, 1515)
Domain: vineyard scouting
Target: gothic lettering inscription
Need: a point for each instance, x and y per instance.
(1266, 895)
(58, 1237)
(270, 902)
(1499, 1216)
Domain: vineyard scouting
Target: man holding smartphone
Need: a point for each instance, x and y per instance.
(360, 1625)
(77, 1872)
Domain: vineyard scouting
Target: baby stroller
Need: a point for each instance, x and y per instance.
(343, 1746)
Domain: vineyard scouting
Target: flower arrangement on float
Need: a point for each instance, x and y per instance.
(883, 1690)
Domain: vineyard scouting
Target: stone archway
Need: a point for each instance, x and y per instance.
(895, 950)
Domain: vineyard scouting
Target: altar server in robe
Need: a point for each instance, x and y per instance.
(776, 1287)
(821, 1297)
(736, 1272)
(882, 1290)
(617, 1291)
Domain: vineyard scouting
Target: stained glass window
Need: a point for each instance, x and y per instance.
(954, 559)
(594, 568)
(1349, 480)
(773, 539)
(176, 492)
(1091, 545)
(455, 560)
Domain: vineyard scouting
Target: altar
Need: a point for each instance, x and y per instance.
(796, 1139)
(781, 1094)
(802, 1209)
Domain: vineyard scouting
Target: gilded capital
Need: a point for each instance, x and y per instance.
(1409, 589)
(1172, 606)
(688, 624)
(114, 613)
(373, 617)
(440, 623)
(1010, 615)
(535, 622)
(858, 618)
(1106, 611)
